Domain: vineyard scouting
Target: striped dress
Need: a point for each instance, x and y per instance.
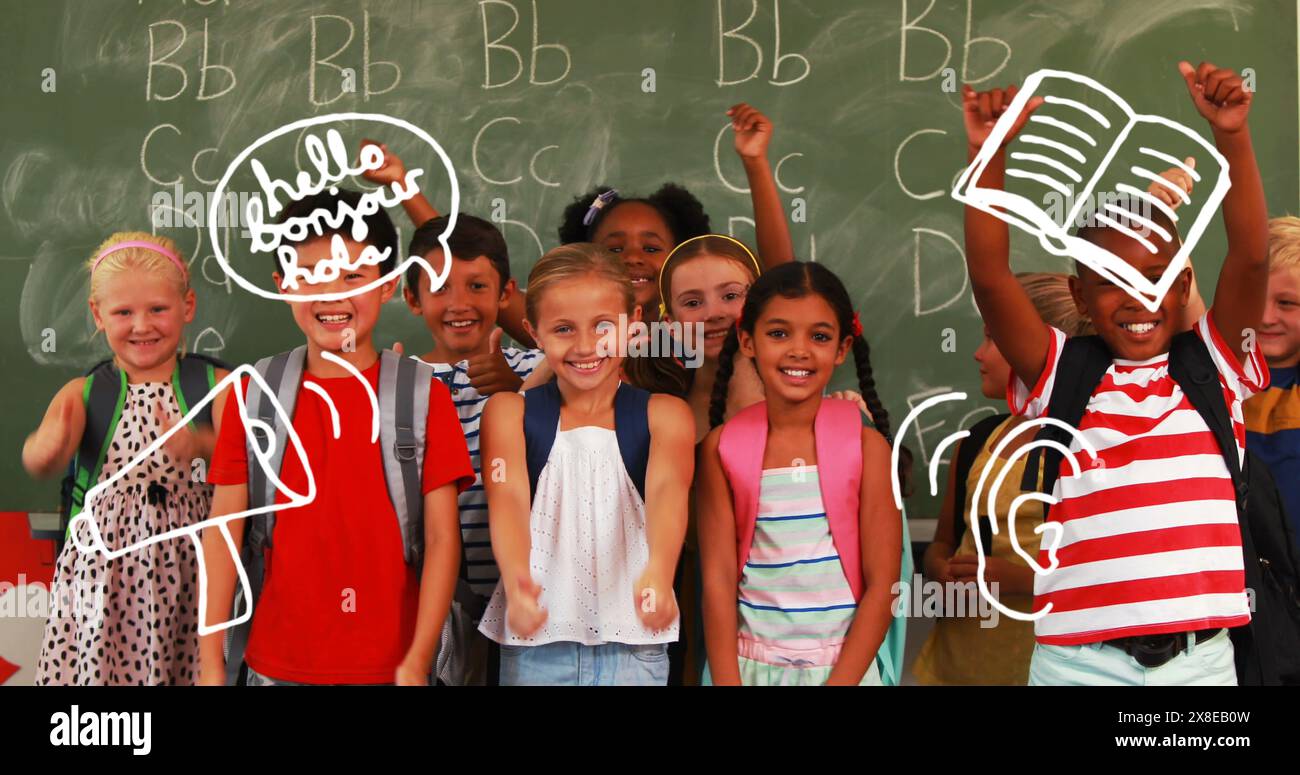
(795, 604)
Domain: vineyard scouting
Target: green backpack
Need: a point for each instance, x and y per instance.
(104, 396)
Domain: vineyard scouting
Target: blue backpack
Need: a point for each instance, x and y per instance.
(631, 426)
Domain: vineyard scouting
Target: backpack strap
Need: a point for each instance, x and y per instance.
(837, 431)
(741, 445)
(968, 450)
(632, 427)
(1084, 361)
(1192, 367)
(104, 395)
(541, 420)
(403, 415)
(192, 380)
(283, 374)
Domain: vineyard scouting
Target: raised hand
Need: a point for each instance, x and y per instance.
(1218, 95)
(981, 111)
(753, 131)
(393, 170)
(1179, 177)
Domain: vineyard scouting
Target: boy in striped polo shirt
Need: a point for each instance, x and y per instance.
(467, 356)
(1150, 558)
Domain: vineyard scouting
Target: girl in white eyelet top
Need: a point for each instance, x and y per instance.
(588, 545)
(586, 589)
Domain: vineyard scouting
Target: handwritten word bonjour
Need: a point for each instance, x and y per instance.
(332, 165)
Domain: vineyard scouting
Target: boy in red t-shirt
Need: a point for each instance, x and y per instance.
(339, 603)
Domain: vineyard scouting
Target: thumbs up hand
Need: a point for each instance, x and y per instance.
(490, 373)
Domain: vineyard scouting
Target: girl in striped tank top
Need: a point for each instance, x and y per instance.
(800, 540)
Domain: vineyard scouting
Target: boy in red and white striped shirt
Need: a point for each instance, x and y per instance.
(1150, 557)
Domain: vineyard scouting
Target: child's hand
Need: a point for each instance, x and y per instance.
(981, 111)
(855, 397)
(654, 600)
(410, 673)
(47, 444)
(753, 131)
(965, 567)
(1218, 95)
(1179, 177)
(393, 170)
(182, 445)
(524, 615)
(490, 373)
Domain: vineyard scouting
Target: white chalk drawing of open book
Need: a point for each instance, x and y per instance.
(1082, 145)
(262, 437)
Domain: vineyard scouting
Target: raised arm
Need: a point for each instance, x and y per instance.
(717, 537)
(880, 530)
(667, 483)
(1179, 177)
(753, 134)
(1220, 97)
(511, 320)
(418, 208)
(1018, 331)
(49, 449)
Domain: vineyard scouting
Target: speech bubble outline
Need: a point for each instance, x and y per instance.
(436, 278)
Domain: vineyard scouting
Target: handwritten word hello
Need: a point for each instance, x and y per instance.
(331, 163)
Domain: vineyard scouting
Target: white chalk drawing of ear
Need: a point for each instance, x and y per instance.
(261, 450)
(1050, 533)
(1069, 149)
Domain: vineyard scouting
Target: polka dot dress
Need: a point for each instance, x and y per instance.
(132, 620)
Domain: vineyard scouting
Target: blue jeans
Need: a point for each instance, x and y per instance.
(1205, 664)
(572, 664)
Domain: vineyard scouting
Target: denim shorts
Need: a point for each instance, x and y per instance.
(573, 664)
(254, 678)
(1205, 664)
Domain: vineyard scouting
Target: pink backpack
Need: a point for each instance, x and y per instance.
(838, 432)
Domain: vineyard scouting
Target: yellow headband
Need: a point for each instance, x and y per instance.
(663, 304)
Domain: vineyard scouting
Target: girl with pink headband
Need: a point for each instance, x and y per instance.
(132, 619)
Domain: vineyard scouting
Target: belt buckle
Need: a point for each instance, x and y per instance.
(1154, 651)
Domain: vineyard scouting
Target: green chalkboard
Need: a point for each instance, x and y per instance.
(109, 103)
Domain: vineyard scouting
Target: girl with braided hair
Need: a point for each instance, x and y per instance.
(801, 542)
